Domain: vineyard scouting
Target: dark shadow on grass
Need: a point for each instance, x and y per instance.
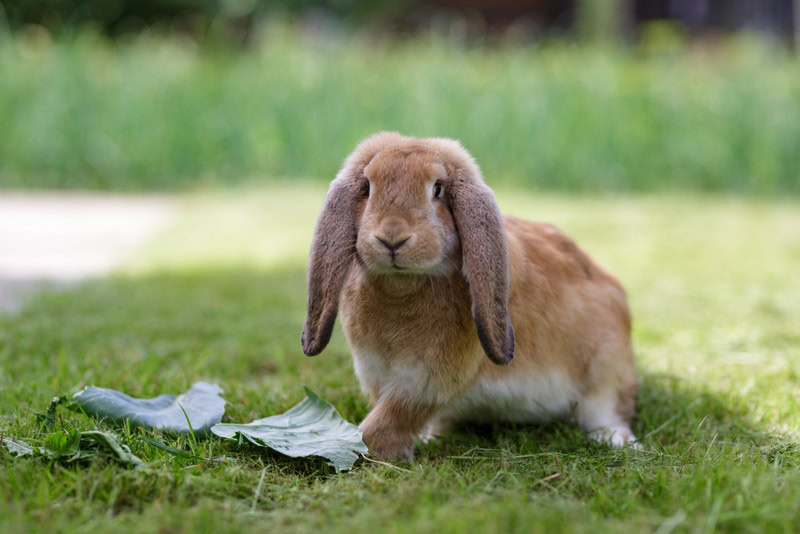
(158, 333)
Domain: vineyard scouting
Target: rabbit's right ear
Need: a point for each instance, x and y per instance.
(332, 252)
(334, 245)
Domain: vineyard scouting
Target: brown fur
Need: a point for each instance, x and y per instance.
(421, 317)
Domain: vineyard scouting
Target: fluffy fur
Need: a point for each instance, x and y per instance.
(455, 313)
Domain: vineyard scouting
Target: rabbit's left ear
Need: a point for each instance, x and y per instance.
(332, 252)
(485, 264)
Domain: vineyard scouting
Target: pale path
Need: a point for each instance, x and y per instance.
(57, 239)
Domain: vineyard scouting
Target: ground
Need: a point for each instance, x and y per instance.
(59, 238)
(219, 295)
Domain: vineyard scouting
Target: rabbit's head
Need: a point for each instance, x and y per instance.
(405, 207)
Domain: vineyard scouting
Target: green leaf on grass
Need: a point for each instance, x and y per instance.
(62, 443)
(202, 405)
(311, 428)
(18, 447)
(108, 442)
(76, 445)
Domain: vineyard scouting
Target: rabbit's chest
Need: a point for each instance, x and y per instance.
(429, 375)
(395, 377)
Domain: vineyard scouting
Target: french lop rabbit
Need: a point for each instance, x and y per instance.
(456, 313)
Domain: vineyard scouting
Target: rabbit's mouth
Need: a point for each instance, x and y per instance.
(395, 269)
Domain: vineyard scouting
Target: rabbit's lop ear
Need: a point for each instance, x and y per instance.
(485, 263)
(334, 245)
(332, 252)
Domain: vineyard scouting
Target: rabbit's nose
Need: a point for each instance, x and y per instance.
(394, 245)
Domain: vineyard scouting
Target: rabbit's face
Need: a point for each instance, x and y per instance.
(406, 226)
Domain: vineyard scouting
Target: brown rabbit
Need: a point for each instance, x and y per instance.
(432, 279)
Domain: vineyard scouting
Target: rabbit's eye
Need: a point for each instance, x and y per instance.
(437, 190)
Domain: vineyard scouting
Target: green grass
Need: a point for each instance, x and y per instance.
(220, 295)
(158, 113)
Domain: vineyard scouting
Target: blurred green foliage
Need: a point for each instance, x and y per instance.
(119, 16)
(152, 112)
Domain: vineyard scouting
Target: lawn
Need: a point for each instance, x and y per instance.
(715, 292)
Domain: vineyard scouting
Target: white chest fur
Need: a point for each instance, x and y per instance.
(400, 378)
(516, 397)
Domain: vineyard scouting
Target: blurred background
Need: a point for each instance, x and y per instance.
(572, 95)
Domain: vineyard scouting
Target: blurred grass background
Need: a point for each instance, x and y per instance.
(158, 112)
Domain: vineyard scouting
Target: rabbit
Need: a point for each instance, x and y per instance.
(454, 313)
